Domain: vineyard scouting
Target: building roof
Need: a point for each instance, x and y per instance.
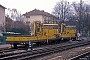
(38, 12)
(2, 6)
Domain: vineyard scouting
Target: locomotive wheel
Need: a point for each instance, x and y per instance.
(15, 45)
(38, 43)
(26, 45)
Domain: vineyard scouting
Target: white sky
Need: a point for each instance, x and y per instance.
(28, 5)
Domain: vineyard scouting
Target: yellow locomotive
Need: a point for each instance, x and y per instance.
(44, 33)
(68, 32)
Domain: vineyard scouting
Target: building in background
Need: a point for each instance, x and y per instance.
(38, 15)
(2, 19)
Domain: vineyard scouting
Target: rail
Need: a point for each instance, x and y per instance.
(42, 52)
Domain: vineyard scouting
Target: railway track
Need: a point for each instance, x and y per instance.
(10, 49)
(41, 52)
(7, 49)
(82, 56)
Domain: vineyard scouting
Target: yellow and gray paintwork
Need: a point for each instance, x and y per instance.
(44, 33)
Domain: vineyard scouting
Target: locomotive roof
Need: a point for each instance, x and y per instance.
(50, 24)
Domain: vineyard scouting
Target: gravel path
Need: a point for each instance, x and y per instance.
(4, 45)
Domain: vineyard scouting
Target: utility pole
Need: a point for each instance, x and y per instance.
(81, 27)
(62, 11)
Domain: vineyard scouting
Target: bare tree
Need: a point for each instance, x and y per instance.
(14, 14)
(62, 10)
(82, 11)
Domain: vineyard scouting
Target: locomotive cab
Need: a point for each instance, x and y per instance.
(68, 32)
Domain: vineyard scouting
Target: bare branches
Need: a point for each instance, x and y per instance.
(14, 14)
(82, 12)
(61, 10)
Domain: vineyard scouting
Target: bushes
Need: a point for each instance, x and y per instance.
(19, 30)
